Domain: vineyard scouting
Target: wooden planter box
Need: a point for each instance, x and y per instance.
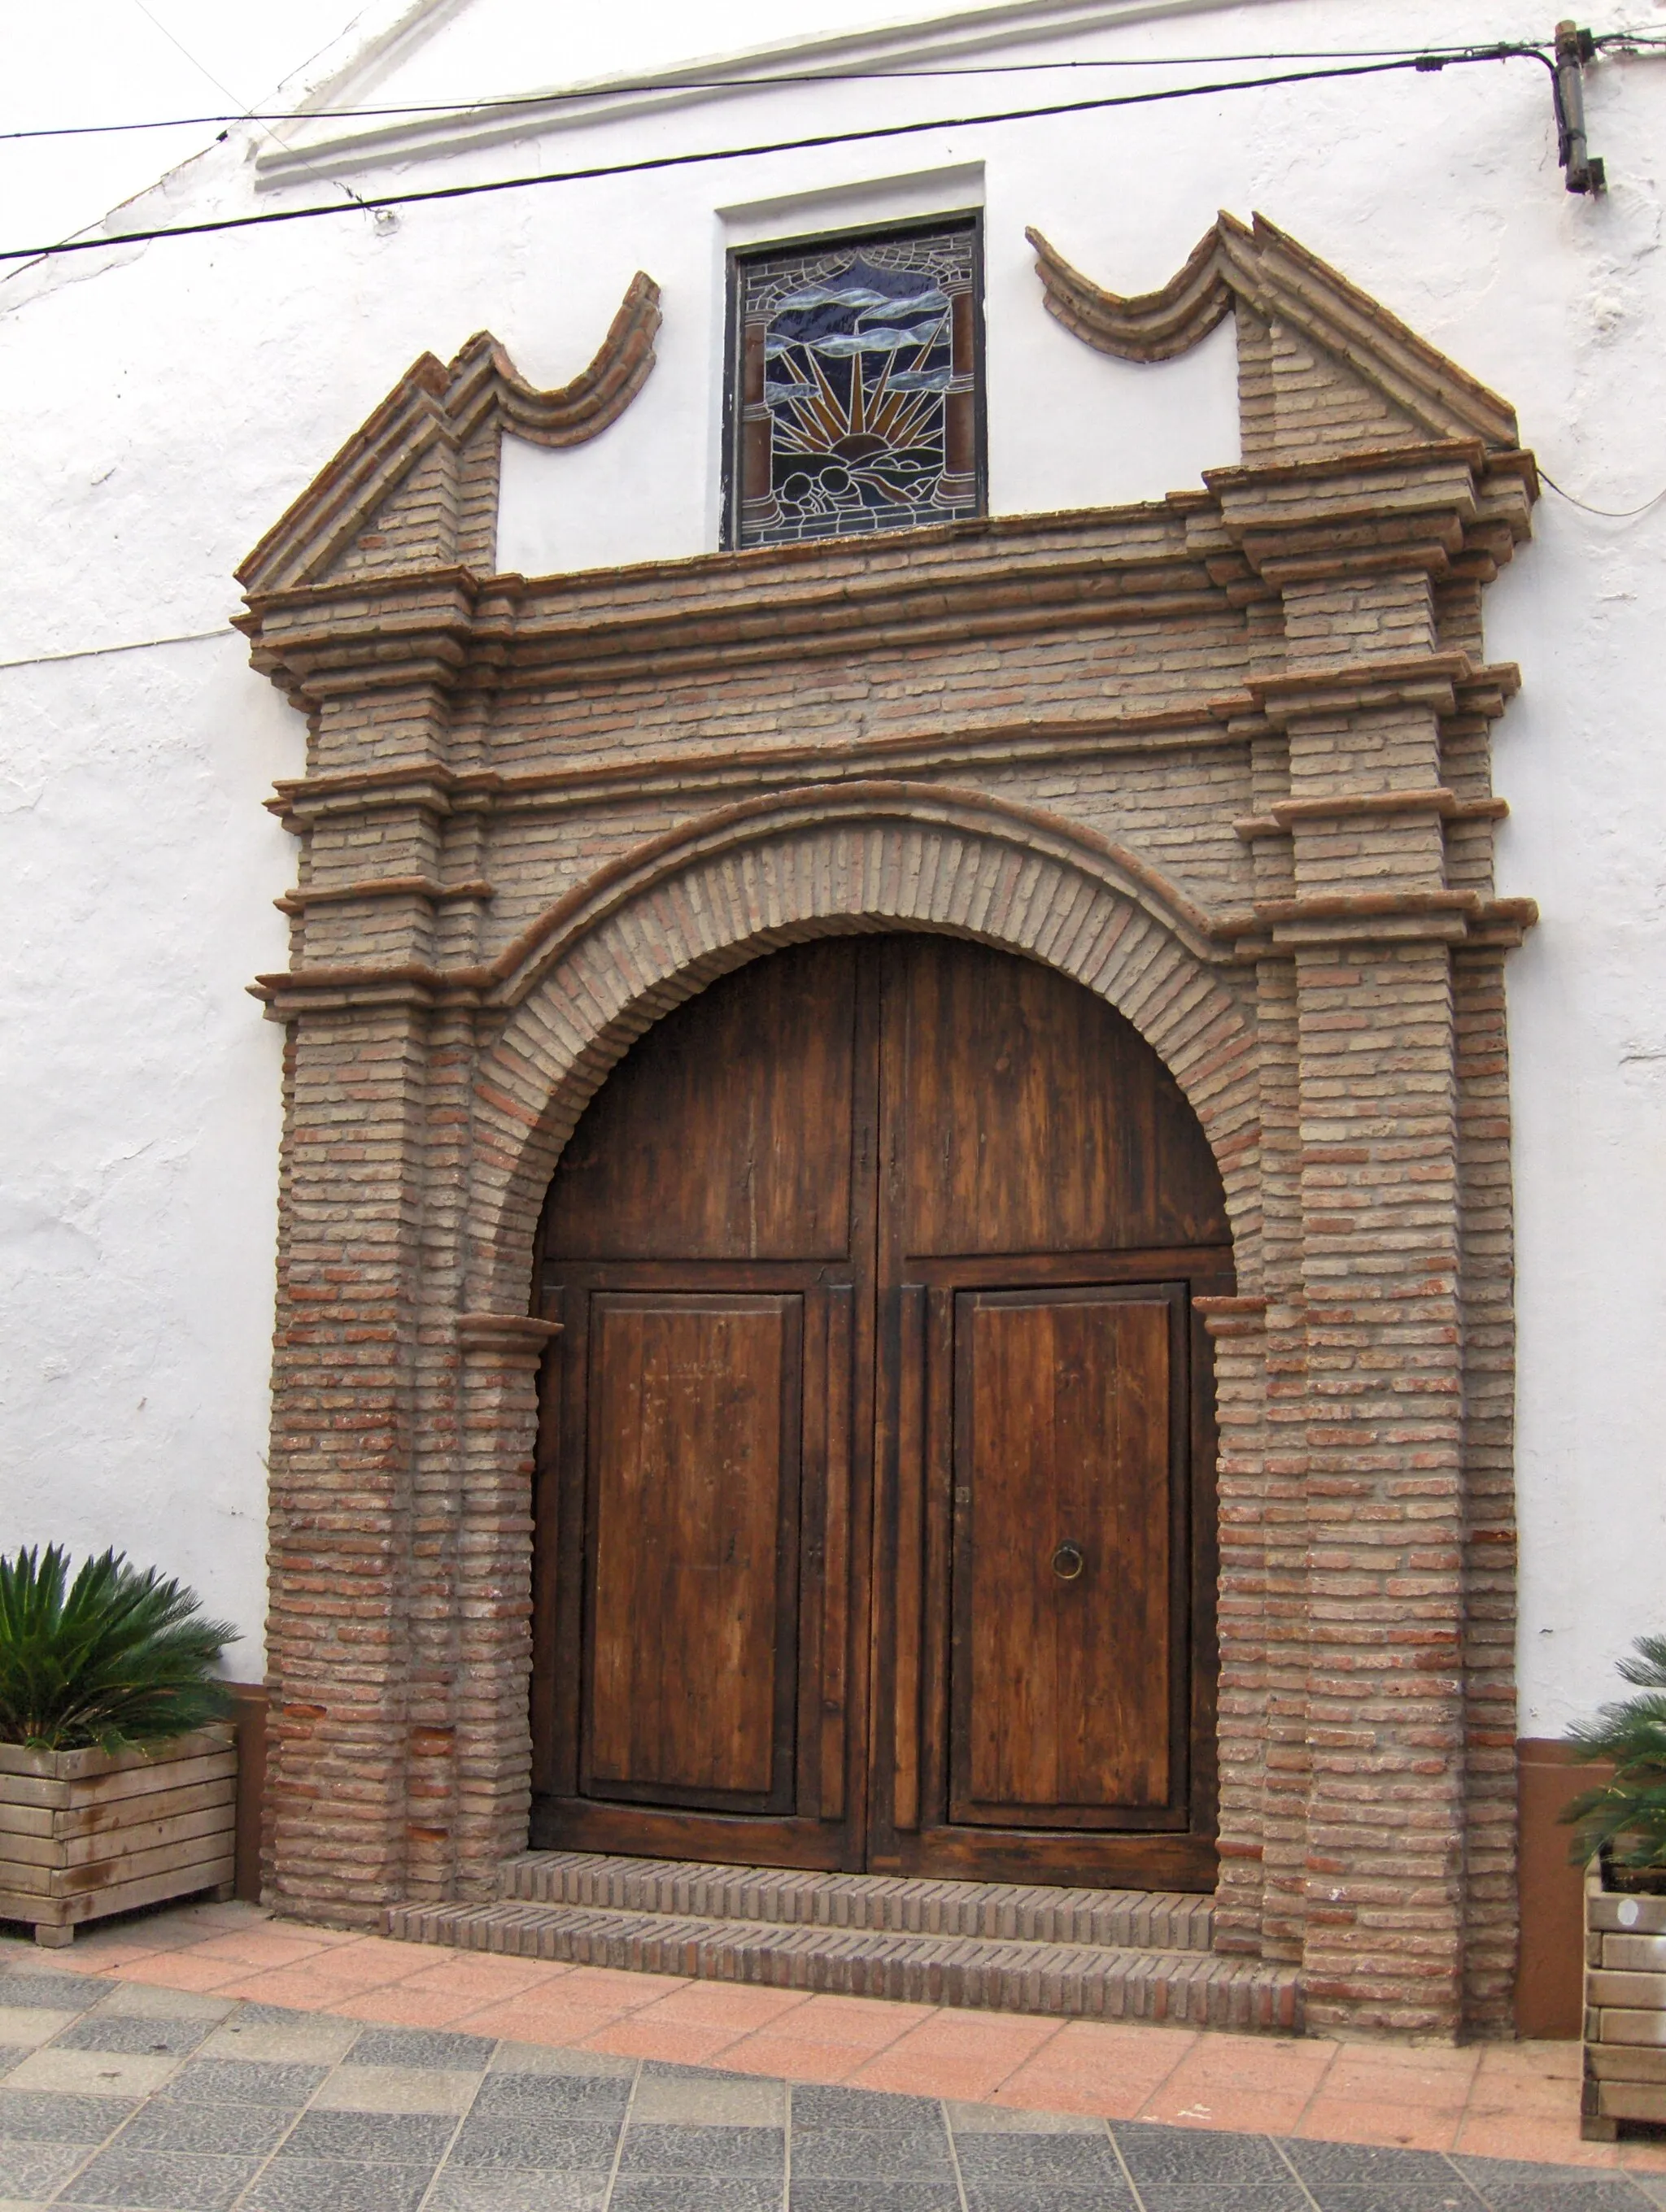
(1625, 2008)
(83, 1832)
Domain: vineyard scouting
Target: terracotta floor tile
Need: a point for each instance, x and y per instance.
(530, 2020)
(1118, 2050)
(178, 1970)
(1644, 2157)
(792, 2057)
(738, 2006)
(1549, 2096)
(1513, 2135)
(367, 1965)
(607, 1987)
(679, 2042)
(1034, 2089)
(1352, 2119)
(922, 2073)
(1562, 2062)
(483, 1974)
(996, 2037)
(1256, 2111)
(397, 2005)
(1358, 2076)
(259, 1946)
(861, 2019)
(1227, 2062)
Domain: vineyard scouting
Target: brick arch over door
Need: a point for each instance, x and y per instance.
(602, 968)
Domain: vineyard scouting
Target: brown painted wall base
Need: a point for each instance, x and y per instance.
(1551, 1963)
(249, 1722)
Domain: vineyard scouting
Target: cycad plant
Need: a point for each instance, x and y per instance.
(119, 1657)
(1624, 1818)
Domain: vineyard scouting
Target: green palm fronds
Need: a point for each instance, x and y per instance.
(1626, 1816)
(118, 1657)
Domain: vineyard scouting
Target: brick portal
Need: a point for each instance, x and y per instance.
(1223, 758)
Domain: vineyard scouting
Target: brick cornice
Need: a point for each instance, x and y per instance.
(431, 789)
(970, 580)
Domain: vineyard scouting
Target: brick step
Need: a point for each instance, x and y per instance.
(1094, 1981)
(1159, 1920)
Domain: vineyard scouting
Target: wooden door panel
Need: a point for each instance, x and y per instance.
(694, 1452)
(1061, 1651)
(726, 1133)
(873, 1259)
(1031, 1117)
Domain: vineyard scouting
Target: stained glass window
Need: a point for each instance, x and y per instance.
(854, 390)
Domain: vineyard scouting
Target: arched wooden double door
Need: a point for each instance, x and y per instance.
(875, 1503)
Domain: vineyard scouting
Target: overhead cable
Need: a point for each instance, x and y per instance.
(632, 88)
(1422, 62)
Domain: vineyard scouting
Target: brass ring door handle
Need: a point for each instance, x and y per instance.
(1068, 1562)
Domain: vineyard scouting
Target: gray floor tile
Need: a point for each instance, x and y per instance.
(915, 2195)
(161, 2181)
(423, 2047)
(1013, 2120)
(244, 2081)
(752, 2153)
(817, 2106)
(115, 2031)
(830, 2153)
(314, 2184)
(549, 2058)
(55, 2116)
(1392, 2193)
(699, 2099)
(1046, 2196)
(1363, 2164)
(506, 2189)
(1196, 2155)
(35, 2169)
(154, 2001)
(1079, 2161)
(1224, 2196)
(652, 2192)
(63, 1992)
(390, 2138)
(230, 2130)
(10, 2053)
(1488, 2176)
(1582, 2193)
(534, 2139)
(555, 2096)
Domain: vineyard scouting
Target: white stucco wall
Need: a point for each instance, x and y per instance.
(165, 403)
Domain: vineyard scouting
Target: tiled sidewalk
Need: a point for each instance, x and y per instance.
(1511, 2101)
(127, 2095)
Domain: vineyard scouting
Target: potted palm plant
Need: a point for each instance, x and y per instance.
(117, 1774)
(1620, 1839)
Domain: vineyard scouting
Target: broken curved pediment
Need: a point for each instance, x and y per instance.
(417, 486)
(1297, 315)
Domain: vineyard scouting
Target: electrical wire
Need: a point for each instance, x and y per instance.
(631, 88)
(1609, 514)
(1422, 62)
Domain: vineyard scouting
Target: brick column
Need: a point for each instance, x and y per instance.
(1364, 1327)
(1237, 1327)
(340, 1491)
(499, 1356)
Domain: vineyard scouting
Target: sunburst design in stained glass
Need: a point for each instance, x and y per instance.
(857, 405)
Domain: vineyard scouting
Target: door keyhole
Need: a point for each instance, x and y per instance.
(1068, 1561)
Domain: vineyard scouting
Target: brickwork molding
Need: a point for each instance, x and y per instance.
(1223, 758)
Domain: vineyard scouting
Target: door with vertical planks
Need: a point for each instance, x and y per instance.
(875, 1494)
